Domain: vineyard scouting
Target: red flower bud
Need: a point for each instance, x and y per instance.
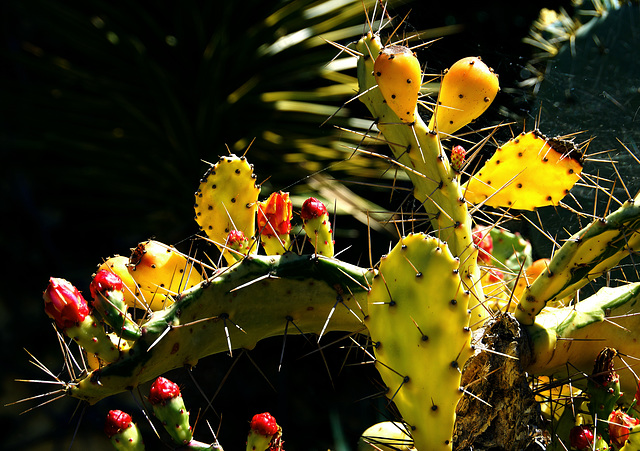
(274, 215)
(163, 390)
(312, 208)
(581, 437)
(619, 426)
(264, 424)
(105, 280)
(482, 238)
(64, 303)
(117, 421)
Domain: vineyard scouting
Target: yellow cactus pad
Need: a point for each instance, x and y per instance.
(398, 74)
(226, 200)
(159, 268)
(134, 295)
(527, 172)
(467, 90)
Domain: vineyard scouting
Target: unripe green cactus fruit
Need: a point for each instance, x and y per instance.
(66, 305)
(107, 291)
(226, 200)
(169, 408)
(418, 320)
(398, 74)
(466, 91)
(317, 226)
(124, 433)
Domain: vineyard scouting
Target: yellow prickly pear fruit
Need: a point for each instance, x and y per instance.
(134, 295)
(160, 268)
(398, 74)
(226, 200)
(527, 172)
(466, 91)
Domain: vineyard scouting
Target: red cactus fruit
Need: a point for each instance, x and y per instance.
(620, 425)
(116, 422)
(105, 280)
(482, 238)
(458, 154)
(163, 390)
(581, 437)
(264, 424)
(312, 208)
(274, 215)
(64, 303)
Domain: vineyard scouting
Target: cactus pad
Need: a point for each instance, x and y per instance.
(398, 74)
(226, 200)
(527, 172)
(160, 268)
(418, 320)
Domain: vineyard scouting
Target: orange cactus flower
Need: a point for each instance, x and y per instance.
(274, 215)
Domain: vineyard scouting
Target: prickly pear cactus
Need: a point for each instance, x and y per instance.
(418, 321)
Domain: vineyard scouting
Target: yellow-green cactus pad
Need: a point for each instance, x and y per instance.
(527, 172)
(398, 74)
(226, 200)
(467, 90)
(160, 268)
(418, 320)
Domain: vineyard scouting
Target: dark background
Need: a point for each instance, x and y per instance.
(60, 219)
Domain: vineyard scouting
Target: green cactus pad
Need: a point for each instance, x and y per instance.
(226, 200)
(585, 256)
(527, 172)
(418, 320)
(261, 295)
